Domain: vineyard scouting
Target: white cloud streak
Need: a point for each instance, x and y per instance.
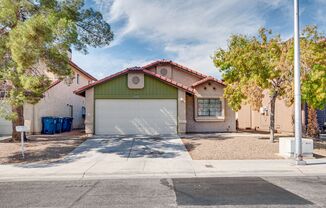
(191, 29)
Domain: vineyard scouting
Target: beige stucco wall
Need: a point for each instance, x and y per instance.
(89, 120)
(248, 118)
(221, 125)
(244, 117)
(42, 69)
(179, 75)
(283, 117)
(5, 125)
(182, 120)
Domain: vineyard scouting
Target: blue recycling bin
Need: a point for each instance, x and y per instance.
(58, 127)
(48, 125)
(66, 124)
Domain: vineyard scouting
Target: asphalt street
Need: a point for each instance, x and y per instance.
(168, 192)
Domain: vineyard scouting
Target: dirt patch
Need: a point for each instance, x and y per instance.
(239, 148)
(231, 148)
(41, 148)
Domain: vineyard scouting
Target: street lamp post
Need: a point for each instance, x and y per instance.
(297, 90)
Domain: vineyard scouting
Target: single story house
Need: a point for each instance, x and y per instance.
(162, 97)
(59, 100)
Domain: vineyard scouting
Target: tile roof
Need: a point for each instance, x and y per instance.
(81, 90)
(209, 78)
(54, 83)
(204, 78)
(164, 61)
(170, 81)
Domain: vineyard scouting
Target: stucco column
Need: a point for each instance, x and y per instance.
(89, 120)
(182, 111)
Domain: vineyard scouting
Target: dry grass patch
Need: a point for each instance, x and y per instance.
(41, 148)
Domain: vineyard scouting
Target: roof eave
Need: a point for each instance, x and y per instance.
(75, 66)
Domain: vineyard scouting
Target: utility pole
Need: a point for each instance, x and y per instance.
(297, 88)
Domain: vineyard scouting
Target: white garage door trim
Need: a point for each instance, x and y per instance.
(135, 116)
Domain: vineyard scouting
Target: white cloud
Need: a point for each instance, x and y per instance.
(101, 64)
(191, 29)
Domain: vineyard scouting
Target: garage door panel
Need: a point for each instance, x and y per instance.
(126, 116)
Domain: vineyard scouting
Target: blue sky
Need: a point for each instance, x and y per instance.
(187, 32)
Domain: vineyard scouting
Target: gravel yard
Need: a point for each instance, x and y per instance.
(237, 148)
(41, 148)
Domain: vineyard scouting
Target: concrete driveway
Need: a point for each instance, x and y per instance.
(132, 147)
(118, 155)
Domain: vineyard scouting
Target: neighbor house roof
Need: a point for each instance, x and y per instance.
(209, 78)
(54, 83)
(186, 69)
(81, 90)
(72, 64)
(81, 70)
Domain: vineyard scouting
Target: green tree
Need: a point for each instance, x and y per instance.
(253, 65)
(313, 57)
(313, 66)
(42, 31)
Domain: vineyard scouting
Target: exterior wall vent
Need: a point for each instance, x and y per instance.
(164, 71)
(135, 80)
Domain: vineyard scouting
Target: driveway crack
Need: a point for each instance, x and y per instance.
(89, 168)
(132, 145)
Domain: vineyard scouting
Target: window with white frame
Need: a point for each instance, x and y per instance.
(209, 107)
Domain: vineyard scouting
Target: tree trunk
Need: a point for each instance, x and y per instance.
(312, 128)
(19, 121)
(272, 119)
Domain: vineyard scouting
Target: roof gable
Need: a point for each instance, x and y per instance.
(207, 79)
(72, 64)
(177, 66)
(82, 90)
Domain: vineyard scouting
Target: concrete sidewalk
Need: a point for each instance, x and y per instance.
(140, 167)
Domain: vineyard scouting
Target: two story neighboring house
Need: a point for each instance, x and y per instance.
(59, 100)
(160, 98)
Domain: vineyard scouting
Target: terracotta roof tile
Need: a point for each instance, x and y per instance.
(209, 78)
(86, 87)
(163, 61)
(145, 70)
(168, 81)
